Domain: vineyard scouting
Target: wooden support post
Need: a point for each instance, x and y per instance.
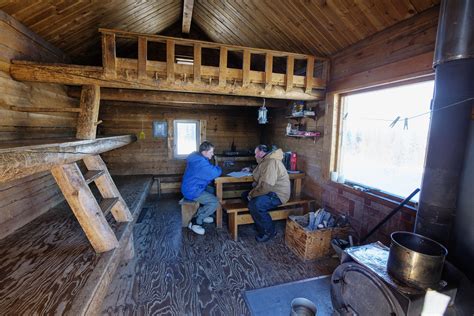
(309, 74)
(107, 188)
(197, 63)
(170, 60)
(142, 57)
(85, 207)
(268, 71)
(86, 123)
(246, 68)
(290, 70)
(223, 66)
(109, 55)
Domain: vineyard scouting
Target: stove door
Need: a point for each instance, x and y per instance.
(357, 290)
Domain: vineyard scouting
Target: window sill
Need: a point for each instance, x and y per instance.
(383, 198)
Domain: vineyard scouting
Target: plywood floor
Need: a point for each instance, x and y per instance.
(46, 263)
(176, 272)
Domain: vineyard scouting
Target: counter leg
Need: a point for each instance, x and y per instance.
(297, 187)
(219, 195)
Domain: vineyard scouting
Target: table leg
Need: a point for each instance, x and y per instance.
(297, 187)
(219, 195)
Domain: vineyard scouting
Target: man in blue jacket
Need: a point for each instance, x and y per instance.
(198, 175)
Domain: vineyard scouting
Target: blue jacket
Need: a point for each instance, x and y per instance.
(197, 176)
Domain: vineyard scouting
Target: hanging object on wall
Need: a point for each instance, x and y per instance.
(262, 114)
(142, 133)
(160, 129)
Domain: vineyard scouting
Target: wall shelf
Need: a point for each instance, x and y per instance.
(305, 136)
(301, 116)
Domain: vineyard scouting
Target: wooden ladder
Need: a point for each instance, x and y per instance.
(90, 213)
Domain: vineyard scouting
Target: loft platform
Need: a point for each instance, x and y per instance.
(48, 266)
(145, 74)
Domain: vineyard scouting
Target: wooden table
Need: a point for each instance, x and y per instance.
(296, 191)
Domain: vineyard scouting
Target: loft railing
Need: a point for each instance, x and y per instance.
(221, 79)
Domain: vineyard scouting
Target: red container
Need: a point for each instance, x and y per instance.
(293, 161)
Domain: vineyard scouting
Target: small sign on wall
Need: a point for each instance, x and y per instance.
(160, 129)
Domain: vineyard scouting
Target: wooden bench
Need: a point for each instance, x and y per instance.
(239, 213)
(188, 209)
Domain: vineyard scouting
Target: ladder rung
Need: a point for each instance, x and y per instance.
(107, 203)
(91, 175)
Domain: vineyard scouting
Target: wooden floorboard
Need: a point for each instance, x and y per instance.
(176, 272)
(45, 265)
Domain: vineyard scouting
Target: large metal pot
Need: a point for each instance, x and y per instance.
(416, 260)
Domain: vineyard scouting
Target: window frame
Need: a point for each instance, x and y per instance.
(175, 136)
(338, 151)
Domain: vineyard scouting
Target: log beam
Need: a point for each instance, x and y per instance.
(164, 97)
(89, 75)
(87, 121)
(187, 15)
(22, 158)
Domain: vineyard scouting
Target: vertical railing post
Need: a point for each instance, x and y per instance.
(197, 63)
(223, 66)
(109, 56)
(309, 74)
(268, 71)
(246, 68)
(170, 60)
(142, 57)
(290, 70)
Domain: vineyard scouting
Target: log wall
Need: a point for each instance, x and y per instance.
(25, 199)
(155, 155)
(401, 52)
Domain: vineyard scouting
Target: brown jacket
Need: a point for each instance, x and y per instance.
(271, 176)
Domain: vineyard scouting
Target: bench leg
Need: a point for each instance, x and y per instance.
(233, 226)
(306, 208)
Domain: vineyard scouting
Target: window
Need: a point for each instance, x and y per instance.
(378, 153)
(186, 137)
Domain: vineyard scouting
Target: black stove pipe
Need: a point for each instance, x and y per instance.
(451, 106)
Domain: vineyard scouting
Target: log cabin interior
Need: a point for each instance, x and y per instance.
(101, 102)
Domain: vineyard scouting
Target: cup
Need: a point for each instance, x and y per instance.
(341, 179)
(334, 176)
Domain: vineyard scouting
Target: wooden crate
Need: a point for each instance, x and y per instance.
(312, 245)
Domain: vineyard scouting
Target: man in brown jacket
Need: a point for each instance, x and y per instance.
(272, 188)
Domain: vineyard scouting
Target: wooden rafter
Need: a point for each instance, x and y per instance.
(187, 15)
